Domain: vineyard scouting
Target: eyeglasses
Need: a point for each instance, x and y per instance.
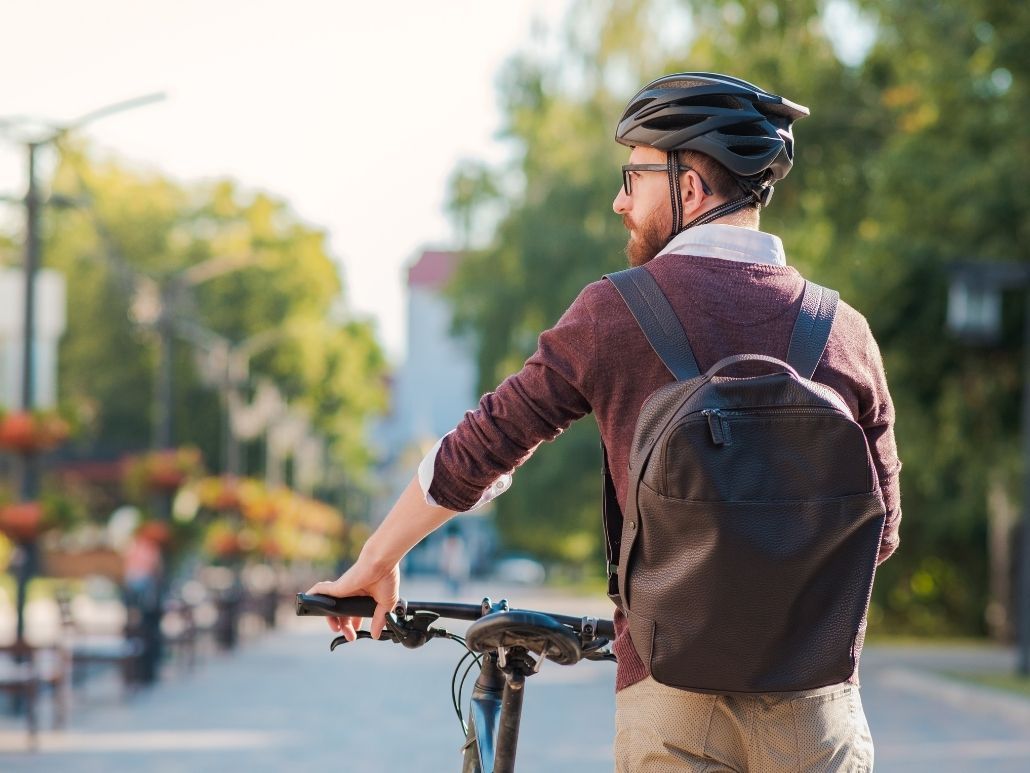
(627, 168)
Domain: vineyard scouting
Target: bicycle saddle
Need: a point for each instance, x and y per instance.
(536, 632)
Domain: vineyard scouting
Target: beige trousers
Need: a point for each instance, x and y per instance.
(661, 729)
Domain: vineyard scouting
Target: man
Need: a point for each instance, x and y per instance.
(706, 151)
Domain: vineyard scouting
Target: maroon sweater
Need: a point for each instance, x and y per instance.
(596, 359)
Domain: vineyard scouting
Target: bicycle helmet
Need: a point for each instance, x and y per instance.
(744, 128)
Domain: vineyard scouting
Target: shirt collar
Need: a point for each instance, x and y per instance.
(728, 242)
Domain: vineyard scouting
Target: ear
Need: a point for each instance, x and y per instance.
(692, 195)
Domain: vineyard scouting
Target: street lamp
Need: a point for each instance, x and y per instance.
(158, 304)
(33, 139)
(226, 365)
(974, 314)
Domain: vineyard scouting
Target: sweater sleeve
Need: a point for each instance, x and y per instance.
(876, 417)
(533, 405)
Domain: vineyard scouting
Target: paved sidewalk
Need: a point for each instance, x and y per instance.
(922, 720)
(283, 703)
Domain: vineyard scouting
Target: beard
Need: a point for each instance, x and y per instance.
(647, 240)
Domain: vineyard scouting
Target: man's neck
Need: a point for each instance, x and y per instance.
(742, 218)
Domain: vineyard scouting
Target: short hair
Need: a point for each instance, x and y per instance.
(722, 182)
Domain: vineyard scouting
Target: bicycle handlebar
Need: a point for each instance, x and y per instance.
(364, 606)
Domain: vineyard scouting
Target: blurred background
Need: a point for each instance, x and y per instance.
(255, 259)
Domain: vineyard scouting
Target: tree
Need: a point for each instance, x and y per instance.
(132, 223)
(913, 157)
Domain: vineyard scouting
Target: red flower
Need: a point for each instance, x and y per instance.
(22, 520)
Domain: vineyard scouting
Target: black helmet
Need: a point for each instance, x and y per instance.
(744, 128)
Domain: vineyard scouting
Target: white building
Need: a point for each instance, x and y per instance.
(49, 326)
(436, 384)
(432, 390)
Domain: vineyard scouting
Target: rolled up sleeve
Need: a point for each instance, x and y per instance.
(532, 406)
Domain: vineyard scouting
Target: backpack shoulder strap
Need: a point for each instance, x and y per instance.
(657, 320)
(611, 518)
(812, 328)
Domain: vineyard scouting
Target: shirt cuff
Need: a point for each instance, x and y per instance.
(427, 468)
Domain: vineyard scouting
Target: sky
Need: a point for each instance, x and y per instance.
(355, 113)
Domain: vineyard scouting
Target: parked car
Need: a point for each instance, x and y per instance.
(520, 570)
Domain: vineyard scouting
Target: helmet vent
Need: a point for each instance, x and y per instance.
(710, 100)
(749, 150)
(674, 122)
(750, 129)
(680, 84)
(640, 104)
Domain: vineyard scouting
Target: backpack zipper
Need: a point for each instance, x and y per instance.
(719, 425)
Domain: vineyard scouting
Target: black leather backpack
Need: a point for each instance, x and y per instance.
(744, 561)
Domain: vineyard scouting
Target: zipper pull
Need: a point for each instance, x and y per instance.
(718, 425)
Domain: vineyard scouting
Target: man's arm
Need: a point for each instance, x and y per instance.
(533, 405)
(376, 571)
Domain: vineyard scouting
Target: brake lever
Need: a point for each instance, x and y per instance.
(598, 649)
(411, 633)
(386, 635)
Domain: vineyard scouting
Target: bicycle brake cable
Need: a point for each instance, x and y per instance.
(456, 694)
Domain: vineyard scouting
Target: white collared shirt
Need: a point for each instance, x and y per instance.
(714, 240)
(728, 242)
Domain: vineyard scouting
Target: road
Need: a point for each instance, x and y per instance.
(283, 702)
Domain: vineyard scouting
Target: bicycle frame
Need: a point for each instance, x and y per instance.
(495, 707)
(495, 714)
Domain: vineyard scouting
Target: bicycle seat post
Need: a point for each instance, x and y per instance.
(511, 718)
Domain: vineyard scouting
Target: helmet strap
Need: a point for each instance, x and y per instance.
(672, 162)
(723, 209)
(761, 195)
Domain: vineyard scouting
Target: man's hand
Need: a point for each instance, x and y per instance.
(376, 572)
(363, 579)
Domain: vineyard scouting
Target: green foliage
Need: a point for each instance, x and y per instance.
(271, 280)
(914, 157)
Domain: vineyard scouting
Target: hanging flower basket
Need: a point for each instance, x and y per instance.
(27, 432)
(223, 493)
(157, 532)
(270, 548)
(161, 471)
(225, 546)
(21, 521)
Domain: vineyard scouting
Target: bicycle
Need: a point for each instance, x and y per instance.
(509, 645)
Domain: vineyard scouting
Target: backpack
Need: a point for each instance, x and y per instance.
(745, 558)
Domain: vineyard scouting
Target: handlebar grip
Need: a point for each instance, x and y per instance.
(330, 606)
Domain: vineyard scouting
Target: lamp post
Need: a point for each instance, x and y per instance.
(225, 364)
(26, 557)
(974, 313)
(163, 306)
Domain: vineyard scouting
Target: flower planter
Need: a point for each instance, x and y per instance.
(161, 472)
(99, 562)
(21, 521)
(165, 479)
(26, 433)
(157, 532)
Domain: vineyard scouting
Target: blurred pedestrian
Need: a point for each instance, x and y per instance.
(454, 560)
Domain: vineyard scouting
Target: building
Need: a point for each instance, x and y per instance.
(430, 393)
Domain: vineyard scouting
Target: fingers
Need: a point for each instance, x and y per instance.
(379, 616)
(383, 586)
(346, 625)
(340, 589)
(330, 588)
